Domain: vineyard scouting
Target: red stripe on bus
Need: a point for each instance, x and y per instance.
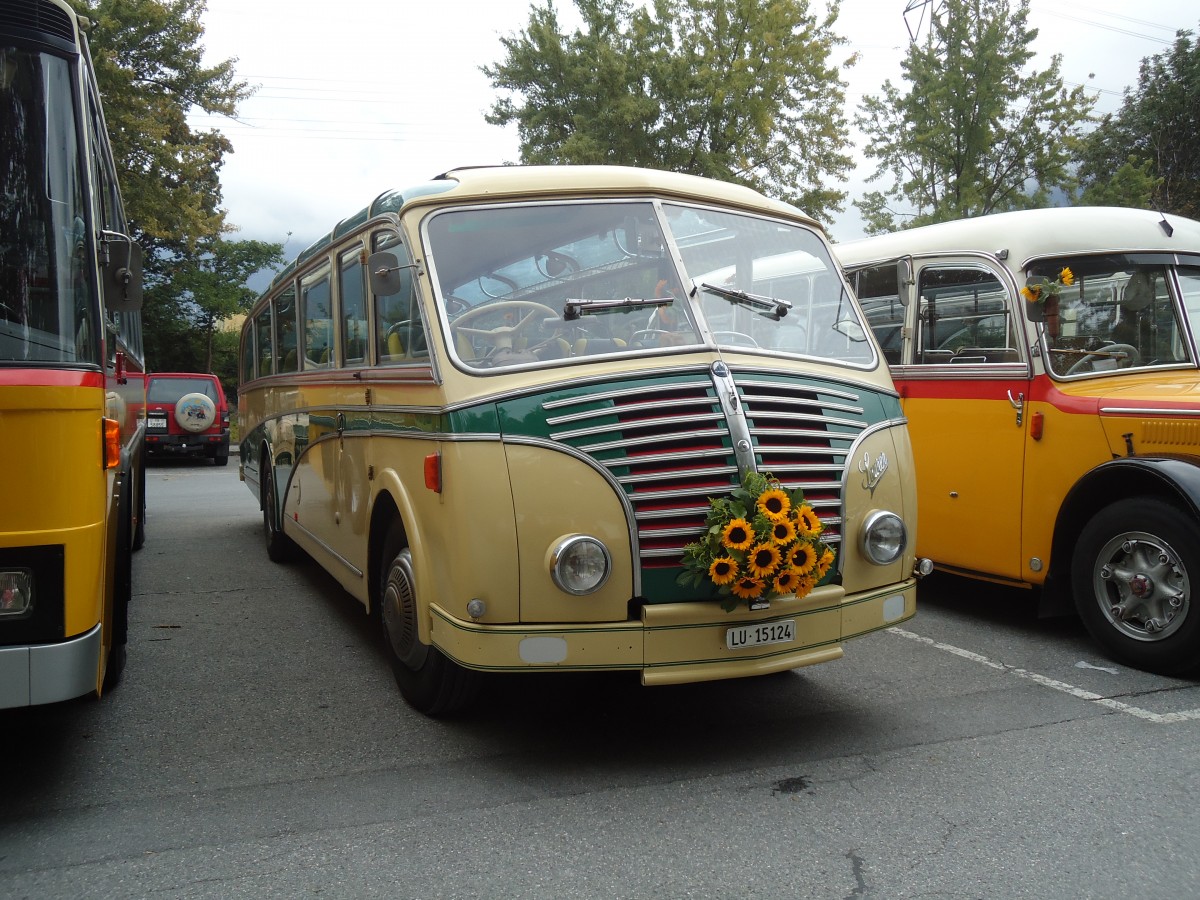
(50, 378)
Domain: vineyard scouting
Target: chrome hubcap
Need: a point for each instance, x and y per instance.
(1142, 586)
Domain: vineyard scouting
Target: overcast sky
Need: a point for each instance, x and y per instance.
(375, 95)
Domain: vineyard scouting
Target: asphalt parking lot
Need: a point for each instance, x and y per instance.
(258, 748)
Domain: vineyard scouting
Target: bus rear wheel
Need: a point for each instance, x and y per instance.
(429, 681)
(280, 547)
(1134, 574)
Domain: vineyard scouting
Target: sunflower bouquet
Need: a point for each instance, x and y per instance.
(1041, 290)
(760, 542)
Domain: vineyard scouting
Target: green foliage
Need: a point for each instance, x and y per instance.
(149, 65)
(977, 131)
(148, 59)
(737, 90)
(1148, 154)
(201, 289)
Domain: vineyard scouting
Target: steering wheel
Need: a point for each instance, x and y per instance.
(736, 338)
(1108, 351)
(502, 337)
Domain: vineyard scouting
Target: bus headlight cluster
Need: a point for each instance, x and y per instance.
(16, 591)
(883, 537)
(579, 564)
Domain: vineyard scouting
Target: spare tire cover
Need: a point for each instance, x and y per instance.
(195, 412)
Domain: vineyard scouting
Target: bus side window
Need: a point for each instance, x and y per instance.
(399, 327)
(285, 332)
(316, 316)
(353, 295)
(964, 317)
(880, 299)
(249, 341)
(262, 333)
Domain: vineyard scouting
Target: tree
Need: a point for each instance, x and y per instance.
(149, 69)
(1154, 137)
(974, 134)
(738, 90)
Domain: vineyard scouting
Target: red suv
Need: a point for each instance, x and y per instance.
(186, 415)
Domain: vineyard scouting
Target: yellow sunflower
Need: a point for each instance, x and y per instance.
(783, 531)
(1066, 276)
(802, 558)
(762, 560)
(738, 535)
(824, 564)
(774, 504)
(804, 586)
(786, 581)
(1032, 293)
(723, 570)
(747, 588)
(807, 522)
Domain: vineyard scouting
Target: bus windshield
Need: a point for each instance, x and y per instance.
(46, 314)
(546, 283)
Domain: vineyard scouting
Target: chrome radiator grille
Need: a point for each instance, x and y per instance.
(669, 445)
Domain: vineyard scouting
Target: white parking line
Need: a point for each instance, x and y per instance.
(1099, 700)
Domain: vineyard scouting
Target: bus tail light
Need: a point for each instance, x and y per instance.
(433, 472)
(112, 443)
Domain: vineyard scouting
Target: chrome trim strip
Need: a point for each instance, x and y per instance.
(354, 570)
(1146, 411)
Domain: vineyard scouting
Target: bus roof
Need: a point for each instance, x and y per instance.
(511, 182)
(1032, 234)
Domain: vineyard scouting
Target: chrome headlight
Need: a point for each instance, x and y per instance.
(883, 537)
(579, 564)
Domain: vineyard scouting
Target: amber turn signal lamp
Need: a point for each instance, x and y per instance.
(433, 472)
(112, 443)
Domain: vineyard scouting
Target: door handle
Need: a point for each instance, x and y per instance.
(1018, 403)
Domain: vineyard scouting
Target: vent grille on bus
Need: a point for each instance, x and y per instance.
(38, 16)
(669, 446)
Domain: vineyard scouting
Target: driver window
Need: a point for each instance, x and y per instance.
(399, 328)
(964, 318)
(1110, 317)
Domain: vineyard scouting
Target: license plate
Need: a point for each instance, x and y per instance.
(153, 422)
(765, 633)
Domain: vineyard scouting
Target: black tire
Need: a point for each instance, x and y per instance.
(429, 681)
(122, 595)
(280, 547)
(139, 525)
(1135, 574)
(221, 459)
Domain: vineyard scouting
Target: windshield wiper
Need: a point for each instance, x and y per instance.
(573, 309)
(771, 307)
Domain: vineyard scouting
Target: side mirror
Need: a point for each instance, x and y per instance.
(1035, 312)
(905, 279)
(385, 273)
(122, 273)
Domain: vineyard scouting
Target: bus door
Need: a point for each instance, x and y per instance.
(965, 386)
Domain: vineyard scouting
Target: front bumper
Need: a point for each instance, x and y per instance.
(678, 642)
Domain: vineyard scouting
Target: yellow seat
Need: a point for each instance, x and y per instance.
(395, 346)
(585, 346)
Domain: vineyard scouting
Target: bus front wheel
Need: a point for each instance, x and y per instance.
(429, 681)
(1134, 574)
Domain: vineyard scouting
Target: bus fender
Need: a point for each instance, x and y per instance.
(392, 499)
(1174, 478)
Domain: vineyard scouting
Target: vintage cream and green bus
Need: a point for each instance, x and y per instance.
(495, 406)
(1047, 363)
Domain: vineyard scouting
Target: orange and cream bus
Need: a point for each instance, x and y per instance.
(1047, 363)
(568, 419)
(72, 390)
